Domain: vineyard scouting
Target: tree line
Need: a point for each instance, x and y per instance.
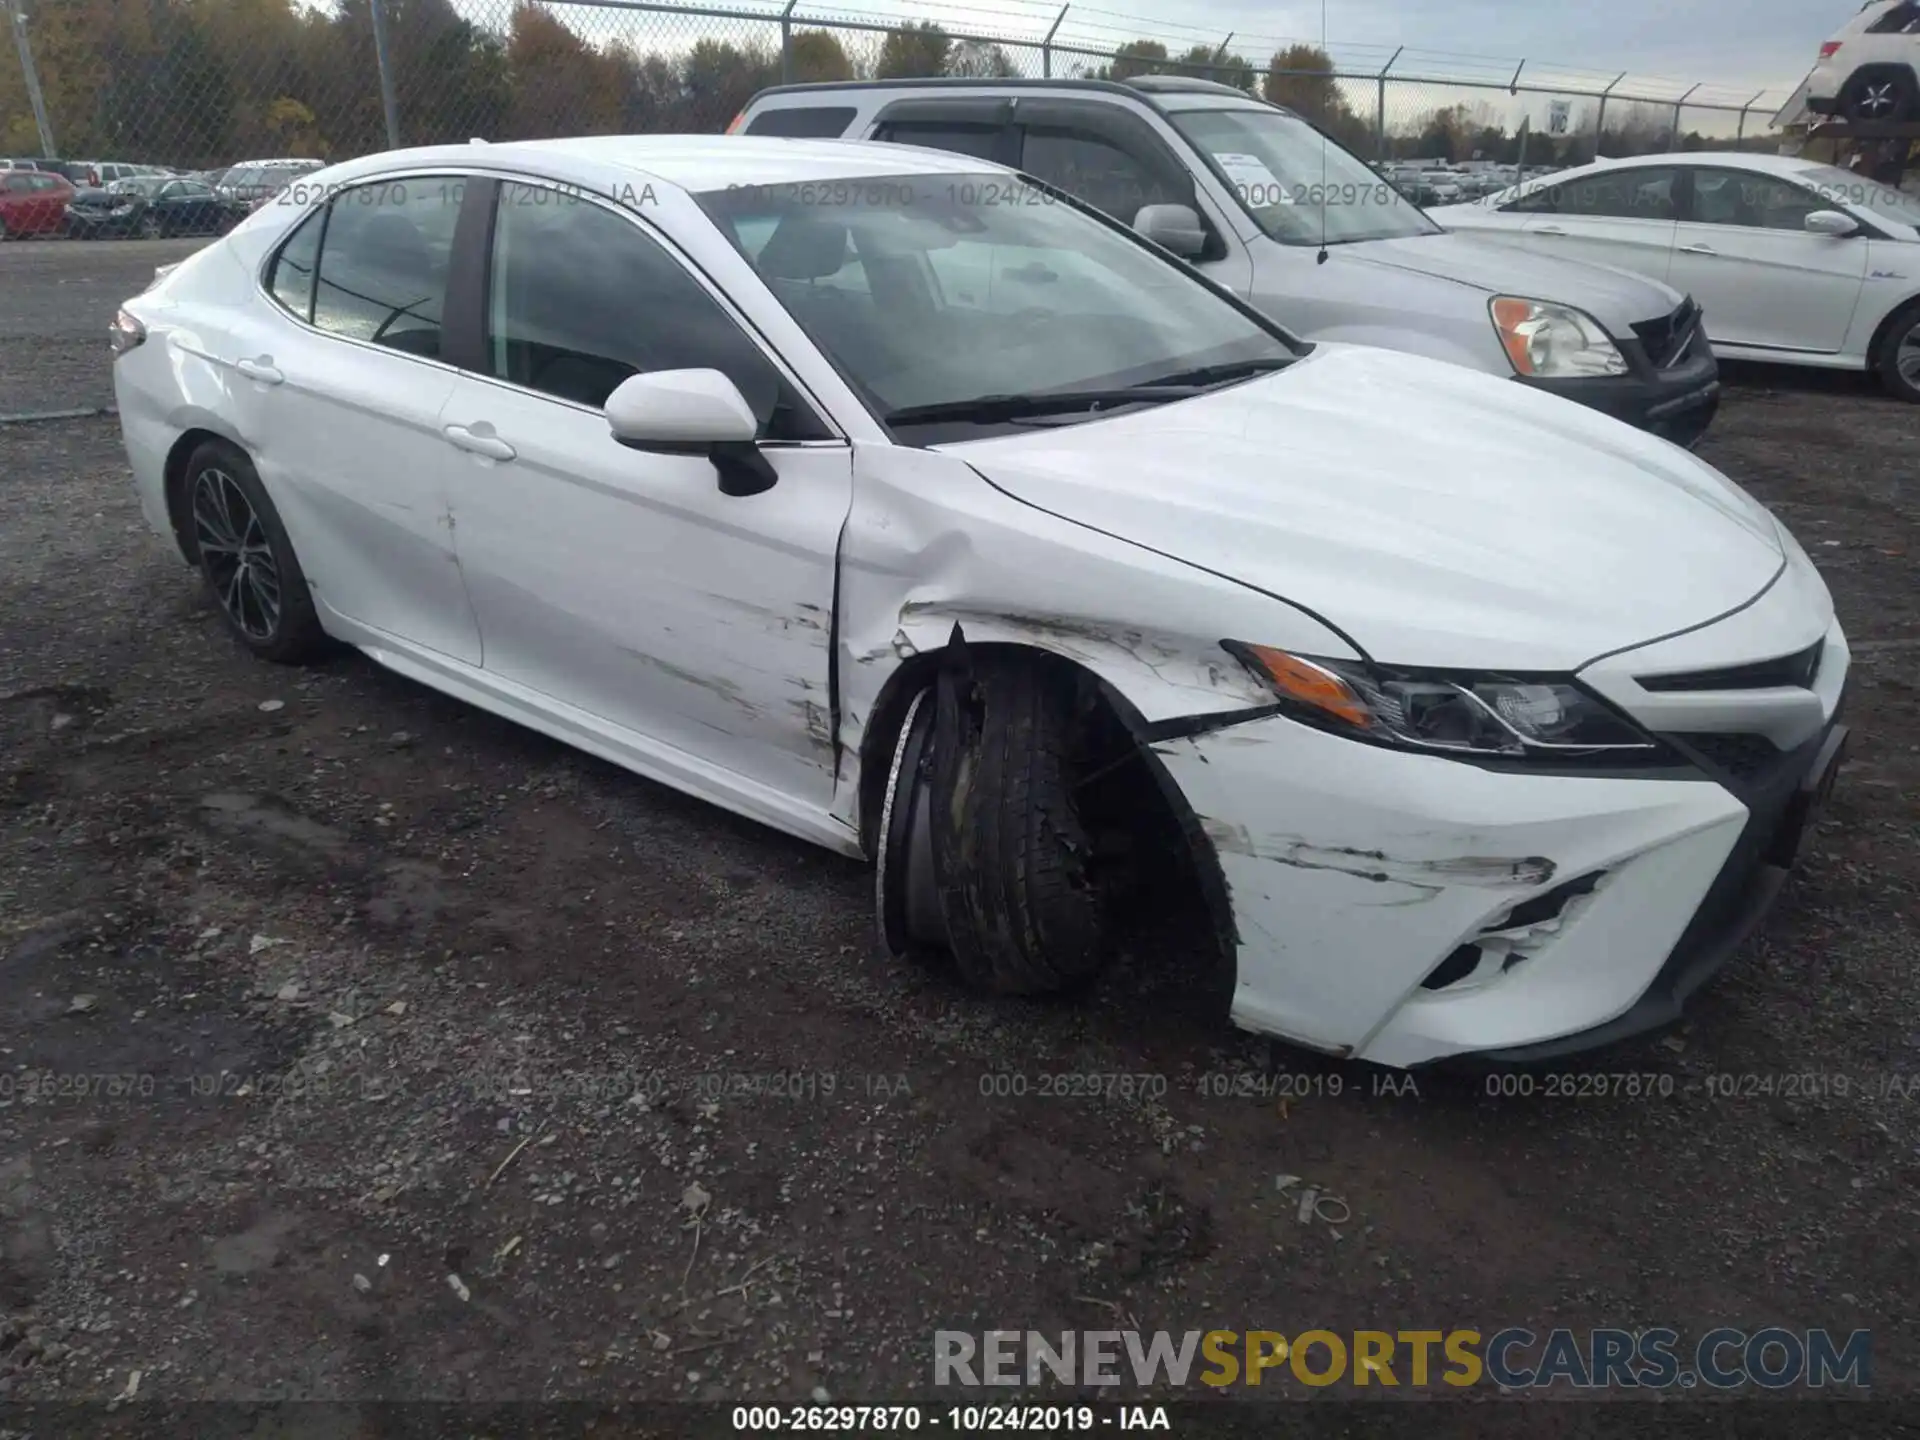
(206, 82)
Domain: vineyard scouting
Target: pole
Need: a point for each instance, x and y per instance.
(380, 55)
(1673, 135)
(1740, 135)
(34, 97)
(786, 43)
(1600, 129)
(1380, 109)
(1513, 85)
(1046, 45)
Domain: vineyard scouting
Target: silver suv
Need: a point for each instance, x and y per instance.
(1268, 206)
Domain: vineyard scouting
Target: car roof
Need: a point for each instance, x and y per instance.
(689, 162)
(1785, 165)
(1154, 91)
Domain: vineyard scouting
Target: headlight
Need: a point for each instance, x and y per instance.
(125, 333)
(1553, 341)
(1446, 712)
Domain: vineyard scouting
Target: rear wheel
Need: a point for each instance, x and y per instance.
(246, 558)
(1879, 95)
(1900, 355)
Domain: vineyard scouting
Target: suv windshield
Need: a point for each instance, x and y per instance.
(940, 290)
(1299, 186)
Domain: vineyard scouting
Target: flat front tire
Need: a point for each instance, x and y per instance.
(235, 537)
(1012, 858)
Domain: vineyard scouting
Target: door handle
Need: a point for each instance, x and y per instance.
(1548, 230)
(261, 370)
(1699, 250)
(491, 446)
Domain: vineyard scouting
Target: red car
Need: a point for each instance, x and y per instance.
(33, 202)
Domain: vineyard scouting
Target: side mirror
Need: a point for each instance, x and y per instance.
(692, 412)
(1172, 227)
(1832, 222)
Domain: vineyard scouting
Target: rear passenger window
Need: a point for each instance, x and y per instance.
(383, 262)
(979, 141)
(803, 122)
(291, 279)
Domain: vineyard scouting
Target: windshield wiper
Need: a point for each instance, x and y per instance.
(987, 409)
(1209, 375)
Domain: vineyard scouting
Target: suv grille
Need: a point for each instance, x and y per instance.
(1667, 340)
(1797, 671)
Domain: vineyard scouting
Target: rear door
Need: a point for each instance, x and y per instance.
(339, 387)
(1622, 216)
(1762, 278)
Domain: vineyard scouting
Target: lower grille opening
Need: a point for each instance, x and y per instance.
(1741, 756)
(1507, 940)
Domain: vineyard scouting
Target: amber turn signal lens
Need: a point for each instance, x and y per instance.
(1309, 684)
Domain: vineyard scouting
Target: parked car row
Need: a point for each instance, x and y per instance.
(1021, 544)
(89, 200)
(1267, 206)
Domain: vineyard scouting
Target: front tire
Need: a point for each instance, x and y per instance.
(1900, 355)
(1012, 857)
(243, 553)
(150, 228)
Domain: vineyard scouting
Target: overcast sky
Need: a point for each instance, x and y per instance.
(1762, 42)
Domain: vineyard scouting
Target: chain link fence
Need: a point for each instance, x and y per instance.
(196, 84)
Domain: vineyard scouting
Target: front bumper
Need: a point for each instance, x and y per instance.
(1676, 402)
(1404, 909)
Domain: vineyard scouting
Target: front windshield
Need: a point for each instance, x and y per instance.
(137, 185)
(939, 289)
(1837, 185)
(1299, 186)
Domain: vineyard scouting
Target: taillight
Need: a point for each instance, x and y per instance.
(733, 125)
(1828, 50)
(125, 333)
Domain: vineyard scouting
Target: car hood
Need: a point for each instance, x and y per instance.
(1616, 298)
(1437, 515)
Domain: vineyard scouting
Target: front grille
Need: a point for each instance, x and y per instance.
(1666, 340)
(1741, 757)
(1796, 671)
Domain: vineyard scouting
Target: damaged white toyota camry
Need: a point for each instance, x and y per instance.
(903, 504)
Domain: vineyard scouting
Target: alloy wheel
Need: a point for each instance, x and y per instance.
(1876, 99)
(236, 554)
(1906, 359)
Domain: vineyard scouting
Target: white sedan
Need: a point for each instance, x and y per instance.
(1790, 260)
(921, 513)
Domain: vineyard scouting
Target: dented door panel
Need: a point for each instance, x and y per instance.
(1354, 871)
(625, 584)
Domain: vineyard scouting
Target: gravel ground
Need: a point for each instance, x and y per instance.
(450, 1063)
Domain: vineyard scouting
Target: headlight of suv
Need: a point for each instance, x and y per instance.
(1553, 342)
(1508, 717)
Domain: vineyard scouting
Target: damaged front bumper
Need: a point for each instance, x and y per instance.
(1404, 909)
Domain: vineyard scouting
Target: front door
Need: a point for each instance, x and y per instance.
(622, 582)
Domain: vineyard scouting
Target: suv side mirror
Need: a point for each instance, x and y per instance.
(692, 412)
(1172, 227)
(1831, 222)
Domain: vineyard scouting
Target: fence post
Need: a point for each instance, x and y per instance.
(1600, 126)
(34, 97)
(382, 59)
(786, 43)
(1046, 45)
(1673, 136)
(1380, 108)
(1740, 134)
